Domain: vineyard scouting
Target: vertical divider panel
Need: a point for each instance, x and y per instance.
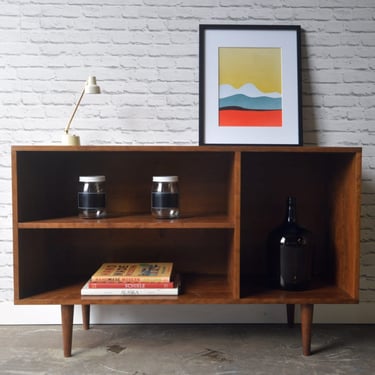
(235, 214)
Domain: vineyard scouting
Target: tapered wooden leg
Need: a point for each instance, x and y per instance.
(290, 309)
(86, 316)
(306, 326)
(67, 312)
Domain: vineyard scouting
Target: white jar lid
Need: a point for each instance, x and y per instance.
(91, 178)
(165, 178)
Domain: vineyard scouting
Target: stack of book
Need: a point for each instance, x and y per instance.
(132, 279)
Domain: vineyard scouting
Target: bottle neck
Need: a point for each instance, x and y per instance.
(291, 210)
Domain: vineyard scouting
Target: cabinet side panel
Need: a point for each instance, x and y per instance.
(15, 225)
(345, 225)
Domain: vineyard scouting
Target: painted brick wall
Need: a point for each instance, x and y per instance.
(145, 56)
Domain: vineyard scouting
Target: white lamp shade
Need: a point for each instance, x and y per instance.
(91, 87)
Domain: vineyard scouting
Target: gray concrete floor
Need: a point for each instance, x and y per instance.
(187, 349)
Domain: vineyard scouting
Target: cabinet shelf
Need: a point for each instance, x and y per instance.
(200, 289)
(123, 221)
(320, 292)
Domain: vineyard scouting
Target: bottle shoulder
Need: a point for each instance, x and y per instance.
(289, 230)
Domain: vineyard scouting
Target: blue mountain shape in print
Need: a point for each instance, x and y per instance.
(244, 102)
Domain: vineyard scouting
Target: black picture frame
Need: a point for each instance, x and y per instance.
(233, 61)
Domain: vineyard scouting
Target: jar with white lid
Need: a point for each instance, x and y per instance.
(165, 197)
(91, 197)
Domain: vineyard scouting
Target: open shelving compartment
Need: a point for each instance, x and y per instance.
(326, 185)
(64, 250)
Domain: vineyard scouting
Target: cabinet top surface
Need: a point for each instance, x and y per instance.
(174, 148)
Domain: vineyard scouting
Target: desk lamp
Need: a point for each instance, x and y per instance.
(90, 88)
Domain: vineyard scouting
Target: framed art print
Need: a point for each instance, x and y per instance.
(249, 85)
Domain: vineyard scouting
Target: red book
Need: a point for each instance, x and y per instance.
(124, 285)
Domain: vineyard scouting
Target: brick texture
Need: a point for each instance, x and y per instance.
(144, 54)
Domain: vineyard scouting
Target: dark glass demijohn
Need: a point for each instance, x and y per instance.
(290, 253)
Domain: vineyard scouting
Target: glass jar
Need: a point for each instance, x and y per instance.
(165, 197)
(91, 197)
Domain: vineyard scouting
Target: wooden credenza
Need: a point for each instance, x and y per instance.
(230, 199)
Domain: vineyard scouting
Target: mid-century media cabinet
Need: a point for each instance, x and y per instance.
(230, 199)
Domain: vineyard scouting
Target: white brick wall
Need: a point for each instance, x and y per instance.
(145, 56)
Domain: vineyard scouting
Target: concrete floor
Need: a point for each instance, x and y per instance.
(187, 349)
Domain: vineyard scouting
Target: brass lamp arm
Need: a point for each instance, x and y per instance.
(75, 110)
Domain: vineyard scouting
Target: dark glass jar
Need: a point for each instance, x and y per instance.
(165, 197)
(91, 197)
(290, 252)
